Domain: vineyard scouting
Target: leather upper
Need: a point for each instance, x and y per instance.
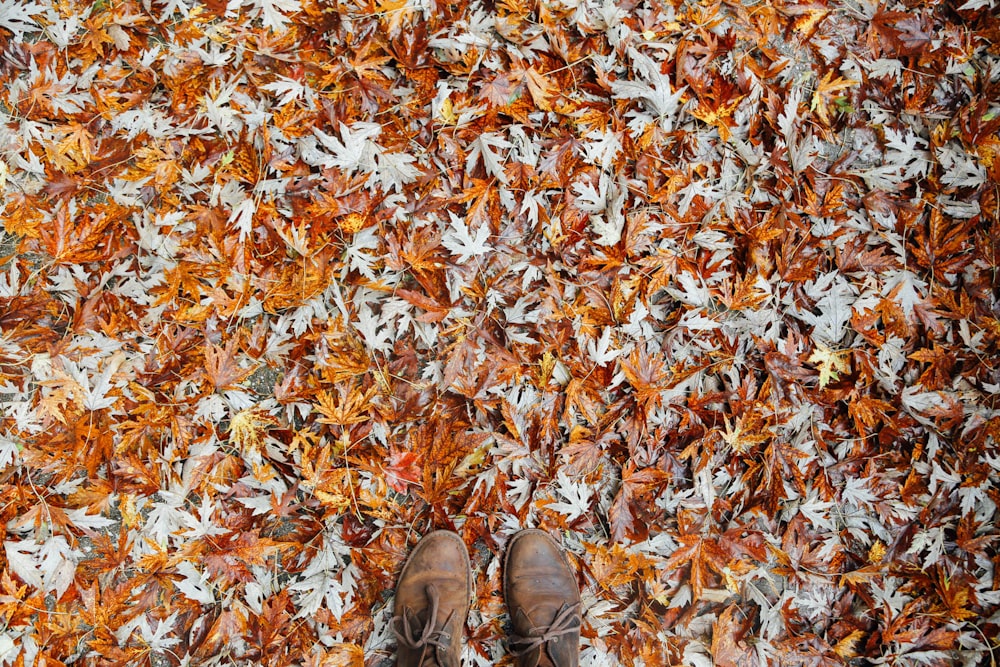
(544, 602)
(432, 602)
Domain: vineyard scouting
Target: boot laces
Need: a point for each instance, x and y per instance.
(564, 623)
(409, 632)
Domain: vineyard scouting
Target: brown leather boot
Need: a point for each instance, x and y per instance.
(432, 602)
(544, 602)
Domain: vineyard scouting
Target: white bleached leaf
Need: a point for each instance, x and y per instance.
(289, 89)
(958, 168)
(459, 241)
(81, 519)
(488, 147)
(651, 87)
(601, 148)
(600, 350)
(95, 396)
(47, 566)
(909, 289)
(890, 67)
(242, 217)
(330, 577)
(259, 504)
(8, 649)
(15, 15)
(519, 313)
(834, 297)
(690, 290)
(577, 497)
(355, 148)
(697, 655)
(907, 152)
(818, 512)
(394, 170)
(376, 334)
(169, 7)
(204, 526)
(608, 228)
(787, 119)
(922, 405)
(156, 638)
(856, 492)
(588, 198)
(972, 5)
(272, 12)
(696, 320)
(931, 541)
(166, 518)
(10, 452)
(605, 204)
(20, 558)
(358, 253)
(933, 657)
(195, 584)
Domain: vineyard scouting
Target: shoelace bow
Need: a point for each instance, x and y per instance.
(408, 636)
(564, 623)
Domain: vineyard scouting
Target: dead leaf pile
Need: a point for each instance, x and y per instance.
(708, 289)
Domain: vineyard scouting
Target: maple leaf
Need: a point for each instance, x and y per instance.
(194, 585)
(403, 470)
(727, 634)
(826, 87)
(459, 240)
(15, 16)
(272, 12)
(719, 117)
(621, 514)
(484, 148)
(830, 362)
(651, 86)
(577, 497)
(47, 566)
(703, 555)
(904, 32)
(355, 149)
(348, 407)
(540, 88)
(248, 427)
(221, 366)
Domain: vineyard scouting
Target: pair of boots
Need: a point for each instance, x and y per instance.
(435, 587)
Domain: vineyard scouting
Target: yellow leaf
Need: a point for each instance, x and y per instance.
(717, 117)
(248, 427)
(540, 89)
(876, 553)
(829, 362)
(826, 87)
(353, 223)
(20, 215)
(846, 647)
(394, 12)
(989, 150)
(807, 22)
(548, 363)
(72, 153)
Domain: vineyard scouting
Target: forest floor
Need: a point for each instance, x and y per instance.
(707, 290)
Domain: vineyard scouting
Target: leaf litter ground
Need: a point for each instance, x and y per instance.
(706, 290)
